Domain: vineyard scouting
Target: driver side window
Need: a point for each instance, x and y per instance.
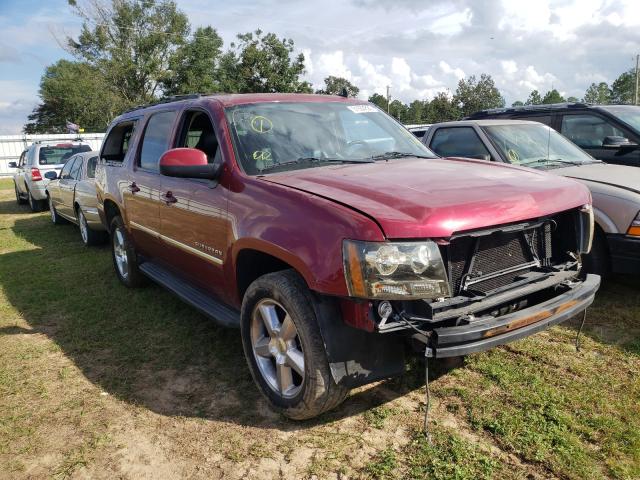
(459, 142)
(588, 131)
(197, 132)
(65, 172)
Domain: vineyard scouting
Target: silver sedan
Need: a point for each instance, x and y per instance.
(72, 197)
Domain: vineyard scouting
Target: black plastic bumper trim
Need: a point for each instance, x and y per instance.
(484, 334)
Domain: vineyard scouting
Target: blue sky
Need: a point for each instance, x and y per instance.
(418, 47)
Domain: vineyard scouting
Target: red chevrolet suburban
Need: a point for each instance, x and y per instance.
(334, 239)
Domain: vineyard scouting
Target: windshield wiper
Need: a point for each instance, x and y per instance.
(388, 155)
(550, 160)
(316, 160)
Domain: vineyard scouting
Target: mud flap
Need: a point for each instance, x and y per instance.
(357, 357)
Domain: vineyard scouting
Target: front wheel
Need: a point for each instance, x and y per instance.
(89, 237)
(284, 348)
(55, 218)
(124, 255)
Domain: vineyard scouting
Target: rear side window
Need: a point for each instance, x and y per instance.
(156, 139)
(91, 167)
(588, 130)
(117, 142)
(459, 142)
(22, 159)
(57, 154)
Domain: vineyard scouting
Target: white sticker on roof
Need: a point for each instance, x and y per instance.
(362, 108)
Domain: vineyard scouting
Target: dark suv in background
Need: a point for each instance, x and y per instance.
(610, 133)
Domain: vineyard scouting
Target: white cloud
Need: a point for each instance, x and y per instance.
(446, 68)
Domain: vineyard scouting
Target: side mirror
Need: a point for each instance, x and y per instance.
(187, 163)
(13, 165)
(51, 175)
(615, 142)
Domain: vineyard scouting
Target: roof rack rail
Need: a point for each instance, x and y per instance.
(529, 108)
(173, 98)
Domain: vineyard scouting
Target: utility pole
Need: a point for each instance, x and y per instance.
(635, 91)
(389, 98)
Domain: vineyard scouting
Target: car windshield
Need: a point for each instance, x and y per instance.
(535, 145)
(629, 114)
(276, 137)
(58, 154)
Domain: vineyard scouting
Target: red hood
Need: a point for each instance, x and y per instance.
(418, 198)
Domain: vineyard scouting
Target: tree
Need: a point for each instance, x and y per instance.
(398, 110)
(573, 99)
(335, 86)
(130, 43)
(473, 95)
(262, 63)
(442, 108)
(517, 103)
(623, 87)
(552, 96)
(599, 94)
(194, 66)
(534, 98)
(75, 92)
(379, 100)
(416, 111)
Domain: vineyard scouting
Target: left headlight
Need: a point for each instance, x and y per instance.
(394, 270)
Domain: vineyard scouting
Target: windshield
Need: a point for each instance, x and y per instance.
(272, 136)
(629, 114)
(57, 154)
(535, 145)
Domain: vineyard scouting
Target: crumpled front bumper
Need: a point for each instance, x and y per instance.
(484, 334)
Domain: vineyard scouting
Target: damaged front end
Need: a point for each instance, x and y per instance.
(496, 285)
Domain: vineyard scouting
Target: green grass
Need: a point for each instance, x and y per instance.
(86, 363)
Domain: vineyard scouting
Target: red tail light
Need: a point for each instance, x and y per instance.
(35, 175)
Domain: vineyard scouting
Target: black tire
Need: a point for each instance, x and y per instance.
(35, 205)
(55, 218)
(598, 261)
(19, 199)
(88, 236)
(131, 275)
(317, 392)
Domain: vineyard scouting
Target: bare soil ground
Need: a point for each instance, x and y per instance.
(97, 381)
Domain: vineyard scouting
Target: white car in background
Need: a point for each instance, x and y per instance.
(41, 157)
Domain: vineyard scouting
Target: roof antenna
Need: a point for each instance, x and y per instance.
(344, 93)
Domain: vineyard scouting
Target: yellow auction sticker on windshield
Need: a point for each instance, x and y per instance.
(261, 124)
(263, 155)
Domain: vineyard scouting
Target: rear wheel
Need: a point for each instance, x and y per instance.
(19, 199)
(284, 348)
(35, 205)
(89, 237)
(124, 255)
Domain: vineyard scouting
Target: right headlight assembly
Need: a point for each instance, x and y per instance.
(394, 270)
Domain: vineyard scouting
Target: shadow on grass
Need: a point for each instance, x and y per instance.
(143, 346)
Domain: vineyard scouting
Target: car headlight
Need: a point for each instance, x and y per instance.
(634, 228)
(394, 270)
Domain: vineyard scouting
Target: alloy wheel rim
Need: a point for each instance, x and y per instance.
(120, 253)
(277, 348)
(83, 226)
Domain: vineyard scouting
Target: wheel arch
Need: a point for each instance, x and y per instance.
(111, 210)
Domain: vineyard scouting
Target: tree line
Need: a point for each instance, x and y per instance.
(130, 53)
